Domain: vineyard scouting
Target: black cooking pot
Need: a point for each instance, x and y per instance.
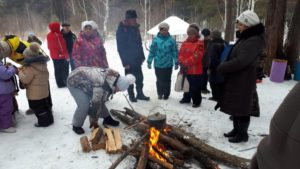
(157, 121)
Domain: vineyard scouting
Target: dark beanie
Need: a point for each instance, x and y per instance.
(65, 24)
(216, 34)
(205, 32)
(130, 14)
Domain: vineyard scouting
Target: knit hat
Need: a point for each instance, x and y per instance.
(32, 50)
(130, 14)
(125, 81)
(163, 25)
(5, 50)
(86, 23)
(193, 29)
(248, 18)
(216, 34)
(205, 32)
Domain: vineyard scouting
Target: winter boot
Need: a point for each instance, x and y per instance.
(140, 95)
(186, 98)
(78, 130)
(45, 119)
(110, 121)
(131, 94)
(242, 134)
(234, 131)
(29, 111)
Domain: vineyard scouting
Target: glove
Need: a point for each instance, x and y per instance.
(176, 67)
(149, 66)
(217, 106)
(93, 123)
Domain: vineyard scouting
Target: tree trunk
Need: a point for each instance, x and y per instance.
(230, 18)
(292, 44)
(274, 32)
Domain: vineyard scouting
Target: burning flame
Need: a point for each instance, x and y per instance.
(153, 146)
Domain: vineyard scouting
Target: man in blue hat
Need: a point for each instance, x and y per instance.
(129, 44)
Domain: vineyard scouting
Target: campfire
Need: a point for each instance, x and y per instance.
(161, 145)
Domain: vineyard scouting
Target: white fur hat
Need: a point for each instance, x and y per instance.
(125, 81)
(93, 24)
(248, 18)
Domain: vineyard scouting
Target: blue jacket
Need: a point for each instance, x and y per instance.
(164, 52)
(129, 44)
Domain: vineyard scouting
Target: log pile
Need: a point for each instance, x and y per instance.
(107, 138)
(181, 147)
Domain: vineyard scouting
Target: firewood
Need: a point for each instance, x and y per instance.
(117, 138)
(143, 158)
(162, 163)
(85, 144)
(110, 141)
(125, 154)
(190, 140)
(96, 135)
(100, 145)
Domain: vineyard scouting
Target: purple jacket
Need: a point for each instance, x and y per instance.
(6, 84)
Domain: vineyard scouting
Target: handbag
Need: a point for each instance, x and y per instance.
(181, 84)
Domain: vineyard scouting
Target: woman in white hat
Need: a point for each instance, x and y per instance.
(239, 71)
(91, 88)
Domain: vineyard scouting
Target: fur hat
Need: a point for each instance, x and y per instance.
(32, 50)
(86, 23)
(5, 50)
(216, 34)
(205, 32)
(193, 29)
(248, 18)
(125, 81)
(130, 14)
(164, 25)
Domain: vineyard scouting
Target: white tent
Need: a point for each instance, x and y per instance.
(177, 26)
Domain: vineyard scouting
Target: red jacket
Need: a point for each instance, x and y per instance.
(190, 56)
(56, 43)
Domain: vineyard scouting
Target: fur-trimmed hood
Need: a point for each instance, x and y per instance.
(258, 29)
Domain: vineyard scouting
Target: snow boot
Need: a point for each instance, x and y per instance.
(29, 111)
(110, 121)
(78, 130)
(242, 134)
(131, 94)
(45, 119)
(140, 95)
(234, 131)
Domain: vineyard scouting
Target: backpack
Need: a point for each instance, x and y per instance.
(225, 52)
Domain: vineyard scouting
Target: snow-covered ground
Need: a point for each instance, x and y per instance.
(58, 146)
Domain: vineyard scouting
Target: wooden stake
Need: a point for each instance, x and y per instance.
(85, 144)
(143, 157)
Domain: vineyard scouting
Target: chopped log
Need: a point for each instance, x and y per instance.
(134, 114)
(100, 145)
(96, 135)
(143, 158)
(117, 137)
(85, 144)
(162, 163)
(204, 161)
(110, 141)
(123, 118)
(210, 151)
(125, 154)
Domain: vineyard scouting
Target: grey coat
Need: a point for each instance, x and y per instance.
(281, 149)
(239, 72)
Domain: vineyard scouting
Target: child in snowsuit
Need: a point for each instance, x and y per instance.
(34, 76)
(7, 89)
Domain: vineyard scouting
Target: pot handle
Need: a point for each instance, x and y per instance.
(154, 110)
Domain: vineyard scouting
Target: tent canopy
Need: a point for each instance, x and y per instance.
(177, 26)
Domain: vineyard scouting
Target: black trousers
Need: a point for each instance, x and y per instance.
(138, 73)
(204, 79)
(43, 110)
(195, 82)
(61, 72)
(163, 81)
(216, 89)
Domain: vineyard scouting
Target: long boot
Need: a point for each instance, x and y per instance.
(242, 134)
(140, 95)
(131, 94)
(234, 131)
(45, 119)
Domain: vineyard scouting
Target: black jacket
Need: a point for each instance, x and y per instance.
(129, 44)
(69, 38)
(239, 71)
